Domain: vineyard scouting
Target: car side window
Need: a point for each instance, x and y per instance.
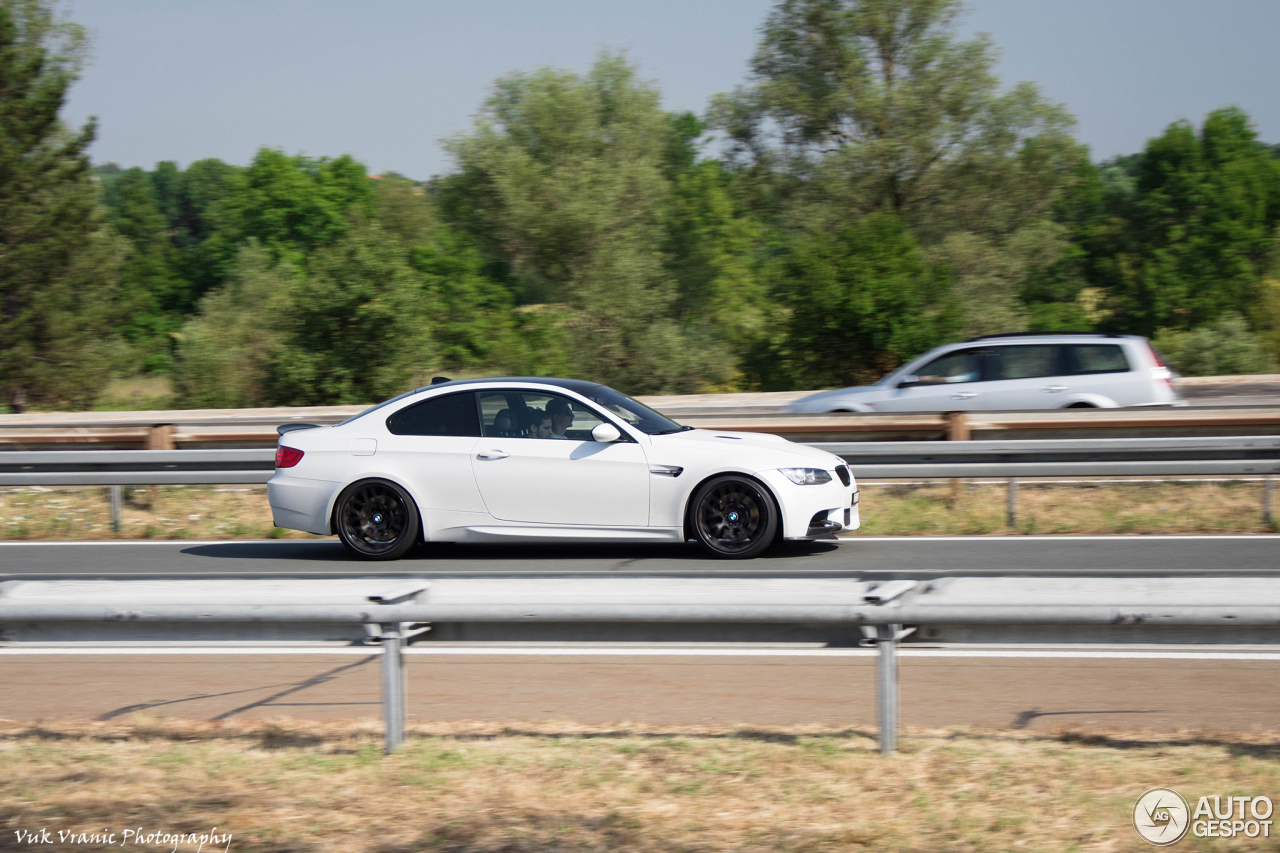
(960, 366)
(1098, 358)
(451, 415)
(1031, 361)
(534, 414)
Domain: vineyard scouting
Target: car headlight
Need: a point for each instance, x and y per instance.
(807, 476)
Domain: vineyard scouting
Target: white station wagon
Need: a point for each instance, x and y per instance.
(535, 459)
(1021, 371)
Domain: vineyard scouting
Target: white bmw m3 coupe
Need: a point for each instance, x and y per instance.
(549, 460)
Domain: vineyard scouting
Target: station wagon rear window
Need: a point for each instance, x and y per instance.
(1097, 358)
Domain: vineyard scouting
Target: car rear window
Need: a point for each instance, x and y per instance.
(1026, 362)
(454, 414)
(1097, 358)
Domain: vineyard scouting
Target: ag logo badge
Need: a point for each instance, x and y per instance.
(1161, 816)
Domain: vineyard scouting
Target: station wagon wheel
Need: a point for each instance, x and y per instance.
(376, 519)
(733, 517)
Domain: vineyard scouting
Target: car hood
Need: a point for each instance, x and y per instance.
(760, 451)
(817, 402)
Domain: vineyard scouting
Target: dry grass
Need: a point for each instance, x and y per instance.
(160, 512)
(1102, 507)
(298, 786)
(241, 512)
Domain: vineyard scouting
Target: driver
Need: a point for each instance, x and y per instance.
(561, 417)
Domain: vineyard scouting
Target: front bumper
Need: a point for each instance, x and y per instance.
(814, 512)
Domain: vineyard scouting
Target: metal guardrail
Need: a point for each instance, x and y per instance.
(255, 428)
(1231, 456)
(136, 467)
(885, 613)
(1122, 457)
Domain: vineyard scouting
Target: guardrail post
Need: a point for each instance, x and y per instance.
(957, 430)
(160, 437)
(394, 701)
(1268, 486)
(117, 498)
(887, 687)
(1011, 509)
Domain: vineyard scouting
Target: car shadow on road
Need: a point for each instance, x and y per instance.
(565, 555)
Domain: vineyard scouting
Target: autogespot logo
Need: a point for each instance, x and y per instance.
(1161, 816)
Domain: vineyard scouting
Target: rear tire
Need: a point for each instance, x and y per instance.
(376, 520)
(733, 517)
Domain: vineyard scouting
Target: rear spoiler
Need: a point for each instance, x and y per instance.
(283, 428)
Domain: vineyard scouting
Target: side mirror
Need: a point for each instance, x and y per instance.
(605, 433)
(908, 381)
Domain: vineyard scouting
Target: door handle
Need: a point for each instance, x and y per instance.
(964, 395)
(492, 454)
(1053, 389)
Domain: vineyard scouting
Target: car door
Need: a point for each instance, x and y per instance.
(429, 447)
(950, 383)
(567, 479)
(1027, 376)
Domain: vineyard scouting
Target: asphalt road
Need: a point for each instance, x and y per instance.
(1030, 693)
(880, 556)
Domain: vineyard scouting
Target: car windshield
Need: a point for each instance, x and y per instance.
(634, 412)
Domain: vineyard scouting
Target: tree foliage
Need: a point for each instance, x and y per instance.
(870, 191)
(57, 260)
(565, 192)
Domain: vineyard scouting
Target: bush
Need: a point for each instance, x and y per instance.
(1224, 347)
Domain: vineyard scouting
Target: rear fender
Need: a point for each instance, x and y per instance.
(1095, 400)
(378, 475)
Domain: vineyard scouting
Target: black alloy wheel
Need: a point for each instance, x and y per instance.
(733, 517)
(377, 520)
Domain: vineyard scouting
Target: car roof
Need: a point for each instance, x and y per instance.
(1066, 335)
(575, 385)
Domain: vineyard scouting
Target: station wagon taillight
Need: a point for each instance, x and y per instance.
(1155, 353)
(287, 457)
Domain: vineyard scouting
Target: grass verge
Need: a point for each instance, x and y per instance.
(296, 786)
(241, 512)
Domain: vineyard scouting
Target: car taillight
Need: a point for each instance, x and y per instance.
(287, 457)
(1155, 353)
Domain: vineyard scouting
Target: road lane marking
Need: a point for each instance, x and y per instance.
(1061, 537)
(1065, 654)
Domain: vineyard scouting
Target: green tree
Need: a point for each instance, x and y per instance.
(862, 301)
(404, 210)
(562, 186)
(863, 106)
(474, 325)
(57, 259)
(226, 355)
(358, 326)
(1200, 227)
(152, 290)
(293, 205)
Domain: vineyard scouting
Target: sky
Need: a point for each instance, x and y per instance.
(386, 80)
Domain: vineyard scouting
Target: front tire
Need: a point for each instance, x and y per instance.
(376, 520)
(733, 517)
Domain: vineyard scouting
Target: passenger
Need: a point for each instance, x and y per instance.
(539, 424)
(561, 417)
